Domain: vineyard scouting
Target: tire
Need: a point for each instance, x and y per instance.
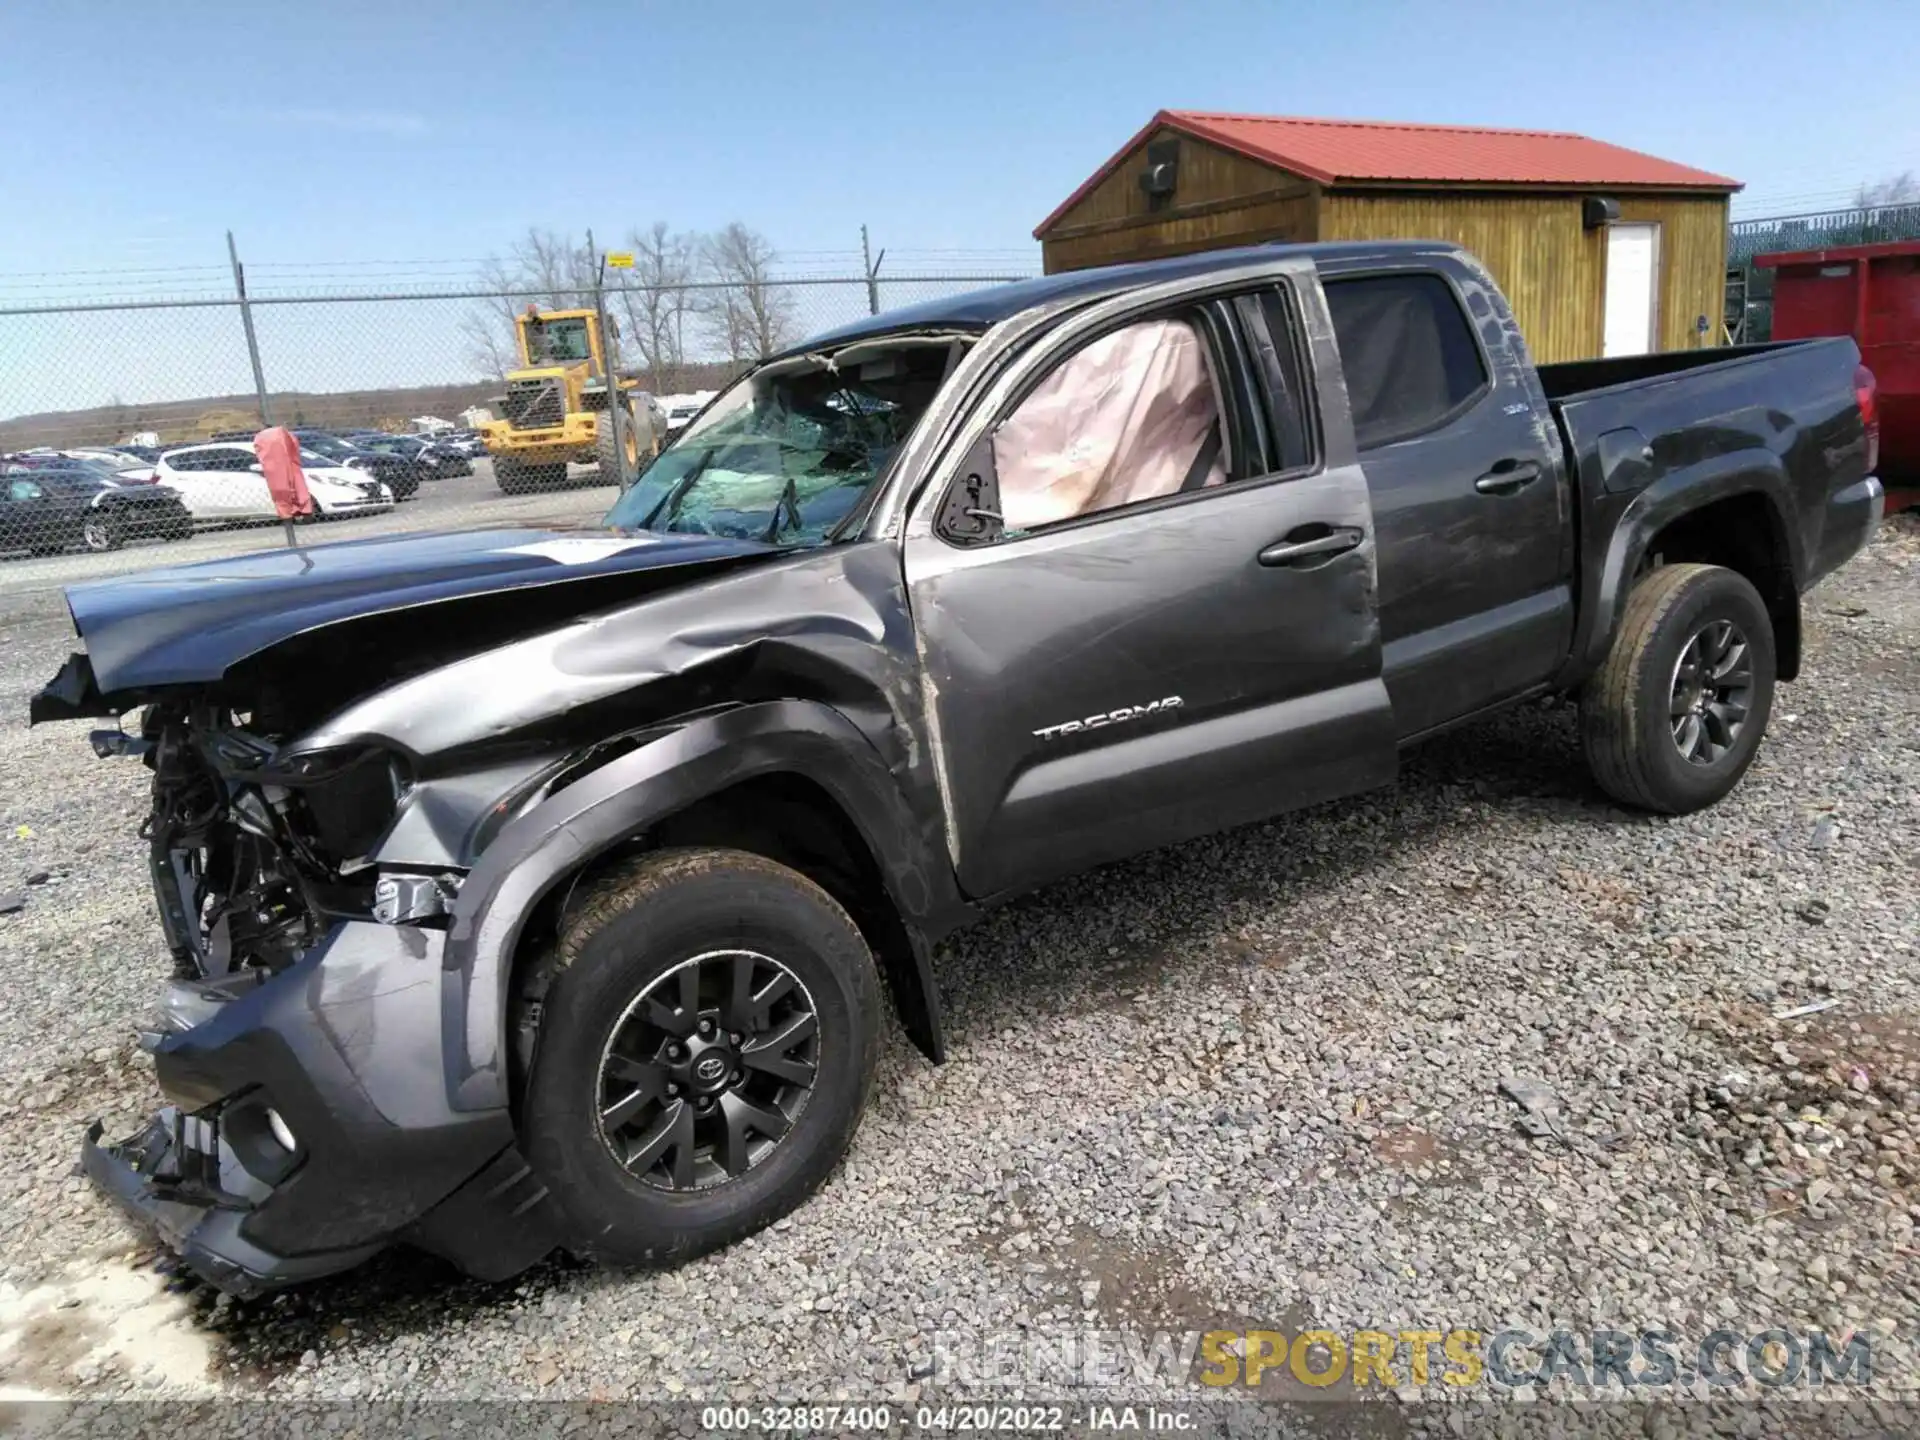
(644, 925)
(616, 469)
(511, 476)
(1629, 727)
(100, 533)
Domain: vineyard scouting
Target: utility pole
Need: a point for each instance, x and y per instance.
(872, 267)
(609, 367)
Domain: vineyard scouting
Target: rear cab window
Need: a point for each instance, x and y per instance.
(1409, 356)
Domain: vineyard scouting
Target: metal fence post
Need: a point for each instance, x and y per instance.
(872, 267)
(253, 354)
(609, 360)
(253, 341)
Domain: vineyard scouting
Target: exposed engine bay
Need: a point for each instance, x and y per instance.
(252, 864)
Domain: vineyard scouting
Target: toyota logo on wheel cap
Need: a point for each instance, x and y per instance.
(710, 1068)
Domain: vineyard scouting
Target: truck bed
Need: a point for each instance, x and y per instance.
(1648, 436)
(1574, 378)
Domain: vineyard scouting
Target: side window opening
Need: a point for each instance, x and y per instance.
(1132, 416)
(1406, 350)
(1273, 344)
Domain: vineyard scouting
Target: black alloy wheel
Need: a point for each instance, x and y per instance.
(708, 1070)
(698, 1043)
(1676, 712)
(1712, 692)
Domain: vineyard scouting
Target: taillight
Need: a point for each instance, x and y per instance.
(1866, 394)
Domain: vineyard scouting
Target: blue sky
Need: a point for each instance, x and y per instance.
(423, 131)
(395, 144)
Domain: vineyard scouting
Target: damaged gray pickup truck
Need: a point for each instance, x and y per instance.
(531, 890)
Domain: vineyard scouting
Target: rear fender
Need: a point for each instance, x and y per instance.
(1605, 586)
(627, 796)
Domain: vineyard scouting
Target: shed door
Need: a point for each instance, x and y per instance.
(1633, 288)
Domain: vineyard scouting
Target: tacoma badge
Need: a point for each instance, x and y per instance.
(1111, 717)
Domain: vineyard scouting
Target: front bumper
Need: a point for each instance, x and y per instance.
(207, 1235)
(344, 1049)
(571, 440)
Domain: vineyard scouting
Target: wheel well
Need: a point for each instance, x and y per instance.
(793, 820)
(1745, 534)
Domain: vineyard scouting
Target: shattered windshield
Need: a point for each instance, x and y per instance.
(787, 453)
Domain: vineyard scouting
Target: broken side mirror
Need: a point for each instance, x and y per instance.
(970, 514)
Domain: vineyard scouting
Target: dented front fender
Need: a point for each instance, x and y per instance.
(543, 848)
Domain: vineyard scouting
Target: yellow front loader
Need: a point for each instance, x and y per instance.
(558, 407)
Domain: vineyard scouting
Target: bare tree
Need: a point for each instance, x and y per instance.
(488, 328)
(655, 298)
(556, 268)
(751, 313)
(1901, 189)
(552, 271)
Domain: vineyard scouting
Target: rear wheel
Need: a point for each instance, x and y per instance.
(1675, 714)
(704, 1039)
(100, 532)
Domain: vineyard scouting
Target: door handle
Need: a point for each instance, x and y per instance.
(1508, 477)
(1292, 552)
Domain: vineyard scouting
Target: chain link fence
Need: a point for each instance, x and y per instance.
(127, 425)
(1750, 287)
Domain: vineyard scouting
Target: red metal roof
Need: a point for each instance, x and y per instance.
(1347, 151)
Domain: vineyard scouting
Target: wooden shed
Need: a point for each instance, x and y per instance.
(1602, 250)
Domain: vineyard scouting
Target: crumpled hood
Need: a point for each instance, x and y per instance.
(191, 623)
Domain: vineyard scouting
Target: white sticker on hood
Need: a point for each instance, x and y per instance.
(581, 551)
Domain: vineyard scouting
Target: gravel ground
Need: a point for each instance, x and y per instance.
(1249, 1081)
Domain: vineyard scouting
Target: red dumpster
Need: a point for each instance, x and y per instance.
(1871, 292)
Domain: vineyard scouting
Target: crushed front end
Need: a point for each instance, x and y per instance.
(298, 1041)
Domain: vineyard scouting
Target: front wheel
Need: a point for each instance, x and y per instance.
(619, 463)
(703, 1040)
(1673, 717)
(511, 476)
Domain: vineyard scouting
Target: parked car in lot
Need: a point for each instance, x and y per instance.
(590, 841)
(448, 462)
(56, 507)
(398, 473)
(465, 443)
(117, 459)
(677, 412)
(433, 460)
(224, 483)
(38, 458)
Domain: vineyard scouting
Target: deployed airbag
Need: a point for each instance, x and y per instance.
(1121, 421)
